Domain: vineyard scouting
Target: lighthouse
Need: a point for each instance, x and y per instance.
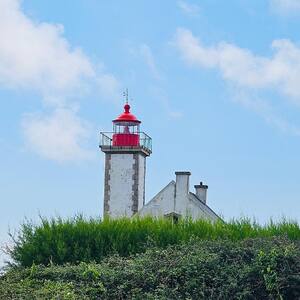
(126, 149)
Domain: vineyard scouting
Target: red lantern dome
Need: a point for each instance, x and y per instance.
(126, 116)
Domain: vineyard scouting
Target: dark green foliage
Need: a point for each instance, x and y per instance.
(261, 268)
(78, 240)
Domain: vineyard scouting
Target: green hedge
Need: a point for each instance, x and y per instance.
(263, 268)
(78, 240)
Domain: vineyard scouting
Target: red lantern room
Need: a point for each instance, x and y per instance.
(126, 129)
(126, 135)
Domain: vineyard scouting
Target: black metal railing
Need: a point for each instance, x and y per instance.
(145, 141)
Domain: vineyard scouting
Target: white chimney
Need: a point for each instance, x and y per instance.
(201, 192)
(182, 183)
(181, 192)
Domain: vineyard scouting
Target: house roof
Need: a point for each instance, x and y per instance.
(203, 205)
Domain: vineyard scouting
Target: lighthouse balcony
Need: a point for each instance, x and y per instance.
(124, 142)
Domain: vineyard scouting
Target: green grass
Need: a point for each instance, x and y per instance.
(260, 268)
(75, 240)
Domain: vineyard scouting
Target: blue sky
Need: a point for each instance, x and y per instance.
(215, 83)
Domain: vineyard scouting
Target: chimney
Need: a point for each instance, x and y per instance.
(182, 183)
(201, 191)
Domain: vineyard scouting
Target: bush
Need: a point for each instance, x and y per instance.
(76, 240)
(261, 268)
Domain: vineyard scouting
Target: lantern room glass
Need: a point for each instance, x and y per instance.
(126, 128)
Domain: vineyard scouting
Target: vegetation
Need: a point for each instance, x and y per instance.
(76, 240)
(260, 268)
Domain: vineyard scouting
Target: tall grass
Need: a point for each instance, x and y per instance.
(78, 239)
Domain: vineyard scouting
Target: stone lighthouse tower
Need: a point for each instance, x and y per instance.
(126, 149)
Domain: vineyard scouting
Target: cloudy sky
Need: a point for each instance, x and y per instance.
(215, 83)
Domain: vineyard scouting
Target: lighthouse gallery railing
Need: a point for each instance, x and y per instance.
(145, 141)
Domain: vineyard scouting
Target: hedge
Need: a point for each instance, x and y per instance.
(260, 268)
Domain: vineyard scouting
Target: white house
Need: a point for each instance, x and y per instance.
(126, 149)
(176, 200)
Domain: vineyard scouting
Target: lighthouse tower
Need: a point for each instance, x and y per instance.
(126, 149)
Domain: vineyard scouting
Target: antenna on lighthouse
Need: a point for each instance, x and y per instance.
(125, 95)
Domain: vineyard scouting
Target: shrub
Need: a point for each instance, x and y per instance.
(76, 240)
(261, 268)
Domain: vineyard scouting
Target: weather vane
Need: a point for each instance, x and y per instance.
(125, 95)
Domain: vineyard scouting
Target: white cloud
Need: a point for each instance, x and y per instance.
(248, 72)
(35, 56)
(241, 67)
(188, 8)
(59, 136)
(285, 7)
